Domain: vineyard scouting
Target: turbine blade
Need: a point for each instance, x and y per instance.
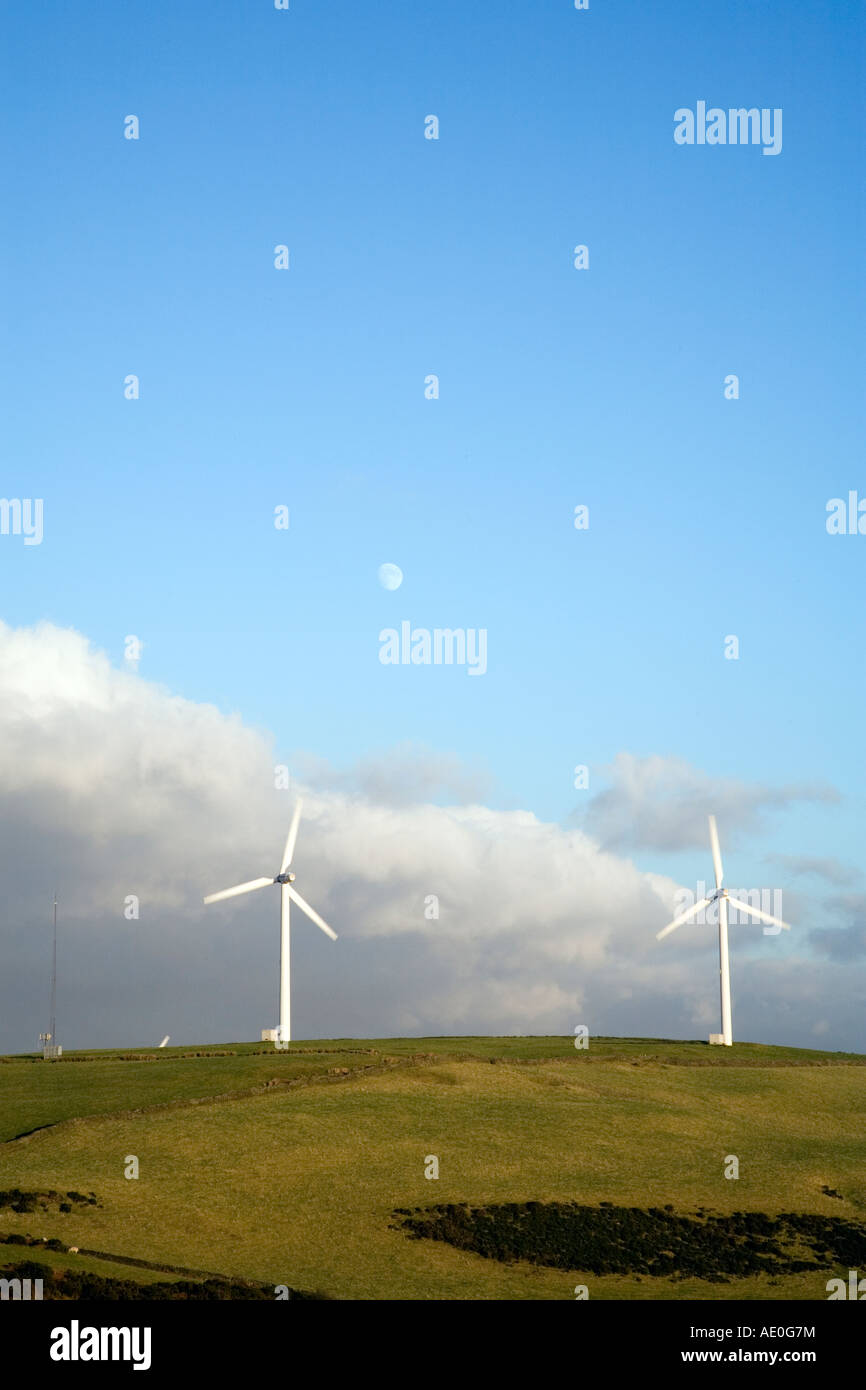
(311, 912)
(241, 888)
(750, 911)
(289, 851)
(717, 853)
(683, 917)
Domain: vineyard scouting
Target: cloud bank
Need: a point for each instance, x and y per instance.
(663, 803)
(452, 918)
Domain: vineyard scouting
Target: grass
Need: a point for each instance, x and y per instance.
(101, 1281)
(62, 1261)
(34, 1093)
(297, 1184)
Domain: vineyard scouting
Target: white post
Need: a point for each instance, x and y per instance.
(725, 972)
(285, 968)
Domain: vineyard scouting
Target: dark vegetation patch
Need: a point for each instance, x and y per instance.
(13, 1238)
(631, 1240)
(68, 1285)
(23, 1202)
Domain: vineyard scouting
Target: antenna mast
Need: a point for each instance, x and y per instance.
(54, 976)
(50, 1048)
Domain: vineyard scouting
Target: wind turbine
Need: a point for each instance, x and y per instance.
(722, 896)
(287, 893)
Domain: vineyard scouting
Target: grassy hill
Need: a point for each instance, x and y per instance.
(288, 1168)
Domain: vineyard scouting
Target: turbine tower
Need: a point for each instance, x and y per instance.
(722, 896)
(282, 1035)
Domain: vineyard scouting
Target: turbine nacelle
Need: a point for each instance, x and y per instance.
(284, 878)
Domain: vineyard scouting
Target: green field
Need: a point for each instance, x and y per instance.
(286, 1168)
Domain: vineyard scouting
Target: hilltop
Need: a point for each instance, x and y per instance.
(307, 1168)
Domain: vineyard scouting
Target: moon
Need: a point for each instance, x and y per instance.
(390, 576)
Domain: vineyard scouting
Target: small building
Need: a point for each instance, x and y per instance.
(50, 1049)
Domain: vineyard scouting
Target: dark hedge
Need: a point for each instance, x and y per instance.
(75, 1285)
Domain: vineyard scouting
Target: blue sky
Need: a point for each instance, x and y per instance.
(411, 256)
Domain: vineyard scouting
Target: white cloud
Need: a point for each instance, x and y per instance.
(111, 785)
(830, 869)
(663, 803)
(398, 776)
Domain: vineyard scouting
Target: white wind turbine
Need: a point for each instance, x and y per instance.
(721, 896)
(287, 892)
